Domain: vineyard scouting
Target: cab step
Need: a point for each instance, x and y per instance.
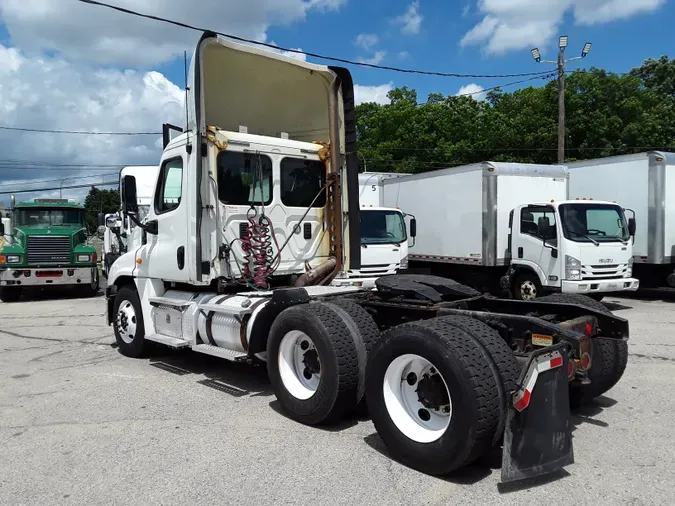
(216, 351)
(169, 301)
(171, 342)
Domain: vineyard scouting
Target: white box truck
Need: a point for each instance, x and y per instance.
(118, 234)
(509, 226)
(384, 235)
(644, 184)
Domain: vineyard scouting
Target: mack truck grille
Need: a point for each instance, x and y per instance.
(48, 249)
(603, 271)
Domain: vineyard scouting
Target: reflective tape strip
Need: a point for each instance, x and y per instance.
(545, 363)
(454, 260)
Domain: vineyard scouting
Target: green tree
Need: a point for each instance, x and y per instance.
(607, 114)
(99, 201)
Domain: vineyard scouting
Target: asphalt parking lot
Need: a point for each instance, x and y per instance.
(81, 424)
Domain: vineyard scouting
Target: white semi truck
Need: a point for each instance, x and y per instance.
(645, 184)
(384, 235)
(249, 222)
(119, 234)
(509, 226)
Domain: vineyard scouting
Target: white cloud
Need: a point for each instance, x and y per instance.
(472, 90)
(403, 55)
(520, 24)
(376, 59)
(104, 36)
(366, 40)
(466, 10)
(411, 20)
(291, 54)
(51, 93)
(377, 94)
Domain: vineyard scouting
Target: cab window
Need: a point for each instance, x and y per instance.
(170, 190)
(242, 176)
(529, 222)
(302, 182)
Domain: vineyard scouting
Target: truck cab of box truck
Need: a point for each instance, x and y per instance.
(385, 235)
(574, 246)
(47, 247)
(121, 233)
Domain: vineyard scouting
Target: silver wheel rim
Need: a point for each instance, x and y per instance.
(126, 321)
(528, 290)
(299, 365)
(417, 420)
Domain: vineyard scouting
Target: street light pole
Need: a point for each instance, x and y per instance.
(560, 64)
(561, 106)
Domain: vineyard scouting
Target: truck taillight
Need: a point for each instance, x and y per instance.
(589, 329)
(93, 257)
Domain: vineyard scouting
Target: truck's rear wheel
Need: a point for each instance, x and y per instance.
(609, 356)
(316, 363)
(432, 395)
(369, 334)
(10, 293)
(128, 323)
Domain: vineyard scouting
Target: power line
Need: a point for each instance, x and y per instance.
(78, 132)
(38, 190)
(24, 183)
(297, 51)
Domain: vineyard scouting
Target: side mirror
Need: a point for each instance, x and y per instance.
(413, 227)
(631, 226)
(543, 227)
(129, 195)
(2, 229)
(101, 219)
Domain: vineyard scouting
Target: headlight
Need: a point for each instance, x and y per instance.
(572, 268)
(10, 259)
(404, 262)
(629, 270)
(83, 258)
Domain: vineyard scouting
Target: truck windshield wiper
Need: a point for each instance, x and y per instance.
(586, 236)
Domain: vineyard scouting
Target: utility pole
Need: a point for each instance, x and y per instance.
(561, 63)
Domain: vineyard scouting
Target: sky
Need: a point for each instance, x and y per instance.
(68, 65)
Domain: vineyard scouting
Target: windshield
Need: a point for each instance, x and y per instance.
(45, 217)
(594, 223)
(382, 227)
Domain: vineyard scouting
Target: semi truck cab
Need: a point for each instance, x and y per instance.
(572, 246)
(48, 246)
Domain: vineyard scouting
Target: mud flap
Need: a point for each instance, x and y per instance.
(538, 432)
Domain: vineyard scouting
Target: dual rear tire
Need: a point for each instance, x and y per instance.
(429, 386)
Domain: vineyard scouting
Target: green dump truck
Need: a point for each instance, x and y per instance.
(45, 244)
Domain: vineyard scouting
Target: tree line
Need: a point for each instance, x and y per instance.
(607, 114)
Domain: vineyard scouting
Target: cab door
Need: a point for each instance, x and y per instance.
(163, 255)
(530, 247)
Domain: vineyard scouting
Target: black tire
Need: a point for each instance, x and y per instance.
(370, 334)
(138, 346)
(465, 366)
(10, 293)
(91, 290)
(529, 278)
(341, 354)
(609, 356)
(575, 298)
(504, 364)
